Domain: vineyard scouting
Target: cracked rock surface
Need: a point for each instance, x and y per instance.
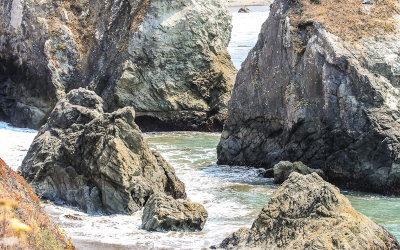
(304, 94)
(95, 160)
(306, 212)
(164, 213)
(167, 59)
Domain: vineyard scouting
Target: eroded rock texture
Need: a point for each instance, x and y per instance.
(282, 170)
(303, 94)
(95, 160)
(50, 47)
(179, 70)
(306, 212)
(167, 59)
(164, 213)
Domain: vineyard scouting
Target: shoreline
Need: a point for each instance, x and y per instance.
(244, 3)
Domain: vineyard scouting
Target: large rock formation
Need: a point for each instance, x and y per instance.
(306, 212)
(179, 74)
(50, 47)
(164, 213)
(167, 59)
(95, 160)
(305, 94)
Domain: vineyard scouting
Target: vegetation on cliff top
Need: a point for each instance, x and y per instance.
(349, 19)
(23, 222)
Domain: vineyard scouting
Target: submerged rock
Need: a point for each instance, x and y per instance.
(164, 213)
(306, 212)
(283, 169)
(244, 10)
(305, 94)
(95, 160)
(167, 59)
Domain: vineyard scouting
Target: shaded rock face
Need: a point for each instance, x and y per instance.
(95, 160)
(50, 47)
(283, 169)
(164, 213)
(179, 70)
(306, 212)
(304, 94)
(176, 61)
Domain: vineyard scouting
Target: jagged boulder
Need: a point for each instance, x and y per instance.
(323, 91)
(95, 160)
(167, 59)
(164, 213)
(281, 171)
(306, 212)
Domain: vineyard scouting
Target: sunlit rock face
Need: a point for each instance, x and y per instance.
(304, 94)
(167, 59)
(306, 212)
(95, 160)
(178, 69)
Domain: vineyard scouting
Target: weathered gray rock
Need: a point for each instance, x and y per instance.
(167, 59)
(304, 94)
(306, 212)
(50, 47)
(95, 160)
(164, 213)
(283, 169)
(179, 74)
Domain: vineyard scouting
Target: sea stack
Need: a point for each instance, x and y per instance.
(95, 160)
(323, 91)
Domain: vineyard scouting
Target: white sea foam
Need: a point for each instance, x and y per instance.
(14, 144)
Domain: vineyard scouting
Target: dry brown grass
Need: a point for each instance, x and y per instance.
(348, 18)
(23, 222)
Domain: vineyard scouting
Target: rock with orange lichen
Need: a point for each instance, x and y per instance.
(24, 224)
(306, 212)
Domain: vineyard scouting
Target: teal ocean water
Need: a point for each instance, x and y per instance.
(242, 186)
(232, 195)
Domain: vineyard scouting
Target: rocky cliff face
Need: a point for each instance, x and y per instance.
(113, 47)
(50, 47)
(308, 213)
(95, 160)
(179, 70)
(305, 94)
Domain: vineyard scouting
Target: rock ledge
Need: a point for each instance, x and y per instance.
(306, 212)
